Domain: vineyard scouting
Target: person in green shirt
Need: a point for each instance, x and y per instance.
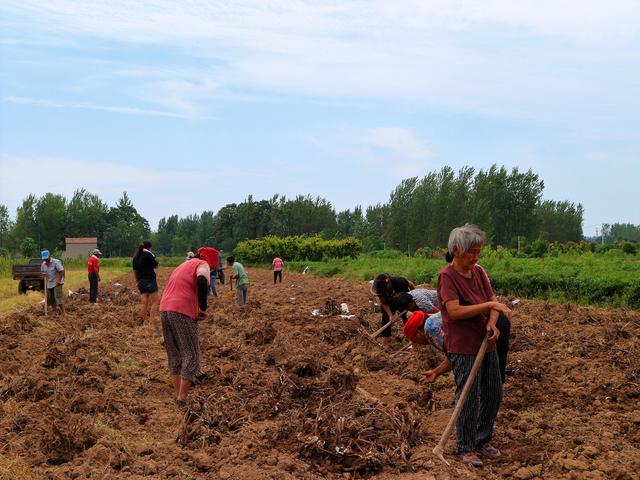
(239, 274)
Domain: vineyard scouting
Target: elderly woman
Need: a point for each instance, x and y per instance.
(467, 301)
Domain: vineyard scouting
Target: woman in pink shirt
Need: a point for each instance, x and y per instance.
(277, 264)
(183, 304)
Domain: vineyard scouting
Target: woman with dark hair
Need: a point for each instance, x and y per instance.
(144, 264)
(386, 287)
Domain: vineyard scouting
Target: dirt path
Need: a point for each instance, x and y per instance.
(288, 395)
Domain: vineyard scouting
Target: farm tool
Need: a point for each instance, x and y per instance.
(387, 325)
(439, 448)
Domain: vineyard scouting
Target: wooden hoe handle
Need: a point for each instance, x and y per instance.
(439, 449)
(387, 325)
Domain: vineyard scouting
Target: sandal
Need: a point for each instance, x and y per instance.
(181, 403)
(471, 458)
(489, 451)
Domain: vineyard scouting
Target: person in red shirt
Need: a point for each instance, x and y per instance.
(467, 301)
(93, 270)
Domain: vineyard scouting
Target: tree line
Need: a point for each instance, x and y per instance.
(46, 221)
(420, 213)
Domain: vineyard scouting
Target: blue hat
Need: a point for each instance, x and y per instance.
(44, 254)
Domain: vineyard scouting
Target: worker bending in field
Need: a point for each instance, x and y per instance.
(427, 328)
(212, 256)
(183, 304)
(386, 287)
(239, 274)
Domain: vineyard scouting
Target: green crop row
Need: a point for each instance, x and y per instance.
(586, 279)
(297, 248)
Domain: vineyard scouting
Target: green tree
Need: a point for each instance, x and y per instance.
(86, 215)
(5, 227)
(50, 213)
(223, 224)
(26, 225)
(561, 221)
(126, 230)
(28, 247)
(167, 228)
(624, 231)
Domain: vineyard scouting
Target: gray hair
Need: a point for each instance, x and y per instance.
(463, 238)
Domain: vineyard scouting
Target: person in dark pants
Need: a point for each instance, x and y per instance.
(467, 301)
(277, 265)
(144, 264)
(220, 268)
(93, 270)
(386, 287)
(502, 345)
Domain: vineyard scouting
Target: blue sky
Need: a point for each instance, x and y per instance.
(192, 105)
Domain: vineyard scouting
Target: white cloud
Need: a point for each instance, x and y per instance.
(525, 58)
(395, 152)
(87, 106)
(400, 142)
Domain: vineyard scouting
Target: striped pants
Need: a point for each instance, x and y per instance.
(182, 344)
(474, 426)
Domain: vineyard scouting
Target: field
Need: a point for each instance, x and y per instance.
(287, 395)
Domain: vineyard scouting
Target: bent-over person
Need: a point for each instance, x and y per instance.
(183, 304)
(386, 287)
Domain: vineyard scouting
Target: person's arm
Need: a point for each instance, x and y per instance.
(60, 275)
(491, 325)
(430, 375)
(460, 312)
(231, 277)
(385, 306)
(202, 281)
(411, 285)
(505, 311)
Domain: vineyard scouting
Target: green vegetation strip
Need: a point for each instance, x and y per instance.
(602, 280)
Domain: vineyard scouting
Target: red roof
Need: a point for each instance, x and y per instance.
(81, 240)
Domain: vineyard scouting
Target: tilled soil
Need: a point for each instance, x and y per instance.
(284, 394)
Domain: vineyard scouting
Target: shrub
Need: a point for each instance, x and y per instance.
(297, 248)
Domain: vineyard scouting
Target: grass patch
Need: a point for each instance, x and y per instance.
(74, 279)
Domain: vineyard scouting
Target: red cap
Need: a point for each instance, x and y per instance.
(416, 321)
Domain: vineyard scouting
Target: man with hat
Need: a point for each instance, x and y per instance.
(93, 269)
(54, 271)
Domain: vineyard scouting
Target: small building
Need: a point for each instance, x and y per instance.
(75, 247)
